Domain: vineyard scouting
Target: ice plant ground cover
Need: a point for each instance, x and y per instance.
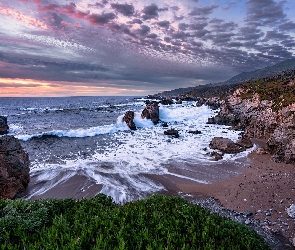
(157, 222)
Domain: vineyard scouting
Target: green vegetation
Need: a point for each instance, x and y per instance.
(158, 222)
(278, 89)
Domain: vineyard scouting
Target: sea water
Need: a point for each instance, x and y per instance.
(87, 135)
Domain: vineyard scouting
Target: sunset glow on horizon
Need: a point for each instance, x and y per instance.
(114, 47)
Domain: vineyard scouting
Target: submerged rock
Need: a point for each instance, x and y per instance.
(216, 156)
(151, 112)
(3, 125)
(225, 145)
(14, 168)
(195, 132)
(129, 119)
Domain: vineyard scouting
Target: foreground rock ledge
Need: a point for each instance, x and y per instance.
(14, 168)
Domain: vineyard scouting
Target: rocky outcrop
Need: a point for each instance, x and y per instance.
(167, 101)
(173, 132)
(14, 168)
(151, 111)
(129, 119)
(3, 125)
(273, 120)
(225, 145)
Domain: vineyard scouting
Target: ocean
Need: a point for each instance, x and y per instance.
(85, 136)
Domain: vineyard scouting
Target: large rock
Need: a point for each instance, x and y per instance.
(151, 112)
(129, 119)
(225, 145)
(14, 168)
(3, 125)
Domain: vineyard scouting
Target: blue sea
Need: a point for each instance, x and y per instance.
(86, 136)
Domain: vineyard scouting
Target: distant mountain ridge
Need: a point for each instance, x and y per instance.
(240, 78)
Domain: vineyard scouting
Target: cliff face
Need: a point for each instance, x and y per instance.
(264, 109)
(14, 168)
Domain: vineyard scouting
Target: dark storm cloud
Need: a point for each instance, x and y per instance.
(265, 12)
(197, 26)
(218, 25)
(143, 30)
(151, 12)
(250, 33)
(274, 35)
(101, 19)
(125, 9)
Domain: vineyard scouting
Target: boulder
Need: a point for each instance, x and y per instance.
(260, 151)
(216, 156)
(172, 132)
(3, 125)
(165, 125)
(291, 211)
(245, 141)
(225, 145)
(14, 168)
(129, 119)
(151, 111)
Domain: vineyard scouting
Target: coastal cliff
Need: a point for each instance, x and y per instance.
(264, 109)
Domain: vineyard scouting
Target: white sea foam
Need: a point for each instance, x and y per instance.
(120, 165)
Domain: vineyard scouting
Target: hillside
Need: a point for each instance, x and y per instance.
(210, 90)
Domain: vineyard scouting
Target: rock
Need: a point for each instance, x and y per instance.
(14, 168)
(165, 125)
(260, 151)
(248, 213)
(129, 119)
(172, 132)
(225, 145)
(213, 103)
(167, 101)
(245, 141)
(3, 125)
(195, 132)
(151, 111)
(179, 101)
(291, 211)
(216, 156)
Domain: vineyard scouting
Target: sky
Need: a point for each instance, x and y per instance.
(136, 48)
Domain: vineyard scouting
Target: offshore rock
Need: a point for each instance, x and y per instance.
(225, 145)
(14, 168)
(151, 112)
(216, 156)
(3, 125)
(167, 101)
(129, 119)
(172, 132)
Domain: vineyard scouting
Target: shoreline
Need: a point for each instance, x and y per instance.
(262, 187)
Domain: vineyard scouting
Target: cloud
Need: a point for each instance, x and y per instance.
(203, 11)
(100, 19)
(125, 9)
(265, 12)
(163, 24)
(151, 11)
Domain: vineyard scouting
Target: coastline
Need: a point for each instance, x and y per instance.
(263, 187)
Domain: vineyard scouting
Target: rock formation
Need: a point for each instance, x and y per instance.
(151, 111)
(265, 109)
(3, 125)
(129, 119)
(14, 168)
(225, 145)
